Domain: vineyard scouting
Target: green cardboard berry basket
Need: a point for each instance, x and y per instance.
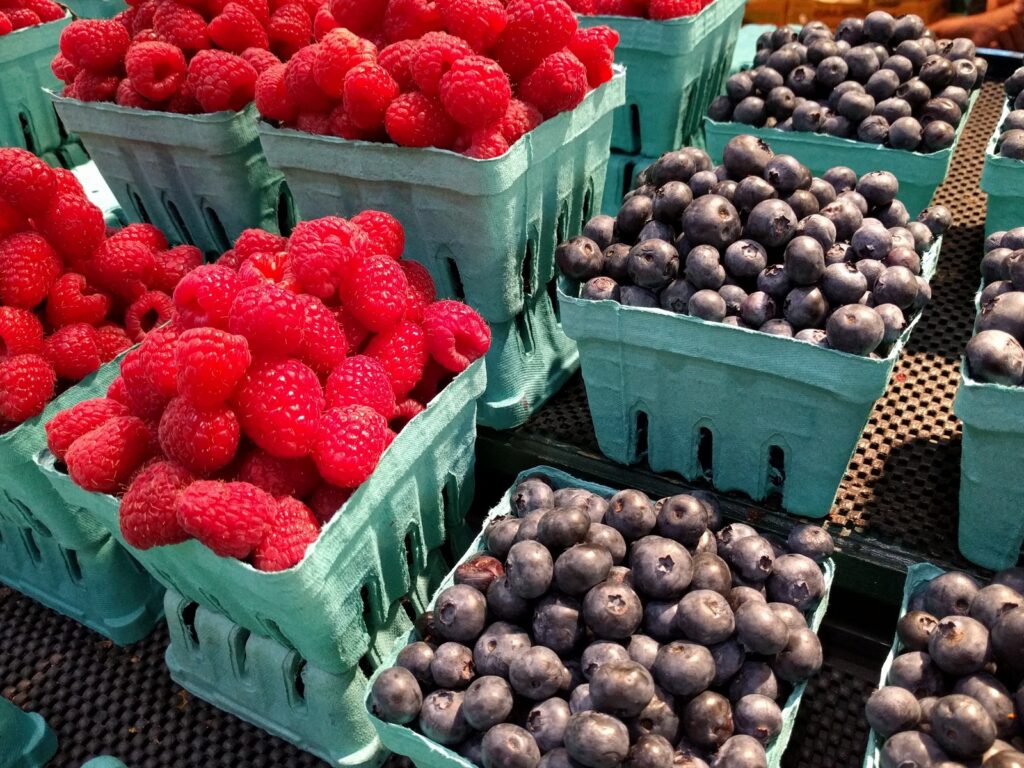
(26, 741)
(104, 761)
(95, 9)
(1002, 179)
(920, 173)
(676, 67)
(622, 172)
(428, 754)
(201, 179)
(416, 498)
(750, 412)
(918, 575)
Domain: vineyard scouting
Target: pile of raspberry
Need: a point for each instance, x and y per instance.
(289, 368)
(18, 14)
(465, 75)
(646, 9)
(71, 297)
(187, 57)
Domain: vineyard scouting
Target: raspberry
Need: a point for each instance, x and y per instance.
(324, 345)
(73, 225)
(124, 268)
(204, 296)
(355, 332)
(673, 9)
(90, 86)
(620, 7)
(285, 543)
(229, 518)
(159, 355)
(21, 333)
(20, 18)
(116, 391)
(143, 399)
(586, 7)
(72, 300)
(98, 45)
(536, 29)
(67, 183)
(411, 19)
(349, 444)
(435, 378)
(360, 16)
(26, 386)
(209, 364)
(28, 269)
(417, 120)
(253, 241)
(272, 97)
(475, 91)
(456, 334)
(111, 341)
(146, 234)
(11, 221)
(384, 232)
(45, 10)
(104, 460)
(201, 440)
(484, 144)
(279, 404)
(260, 58)
(221, 81)
(558, 84)
(376, 293)
(479, 22)
(279, 477)
(156, 70)
(27, 184)
(236, 28)
(151, 310)
(406, 411)
(173, 264)
(369, 89)
(340, 124)
(595, 48)
(63, 69)
(149, 509)
(519, 119)
(327, 500)
(267, 266)
(181, 26)
(300, 80)
(397, 60)
(435, 54)
(80, 419)
(142, 21)
(337, 53)
(403, 353)
(127, 96)
(290, 30)
(184, 101)
(361, 380)
(72, 351)
(313, 122)
(6, 27)
(323, 22)
(258, 8)
(320, 250)
(421, 289)
(270, 317)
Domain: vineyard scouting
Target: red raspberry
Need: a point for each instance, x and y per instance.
(279, 477)
(327, 500)
(479, 22)
(80, 419)
(403, 353)
(142, 21)
(270, 317)
(142, 398)
(376, 293)
(324, 345)
(406, 411)
(204, 296)
(279, 404)
(360, 16)
(173, 264)
(28, 269)
(290, 30)
(318, 123)
(72, 300)
(124, 268)
(221, 81)
(258, 8)
(323, 22)
(111, 341)
(229, 518)
(435, 54)
(586, 7)
(127, 96)
(116, 391)
(397, 60)
(558, 84)
(73, 225)
(253, 241)
(146, 234)
(300, 80)
(236, 28)
(21, 18)
(156, 70)
(104, 460)
(72, 351)
(159, 354)
(349, 444)
(321, 250)
(620, 7)
(421, 289)
(673, 9)
(536, 29)
(417, 120)
(519, 119)
(355, 332)
(384, 232)
(456, 334)
(338, 52)
(21, 333)
(210, 364)
(98, 45)
(595, 48)
(184, 101)
(260, 58)
(272, 97)
(340, 124)
(484, 144)
(67, 184)
(27, 184)
(202, 441)
(45, 10)
(149, 509)
(6, 27)
(361, 380)
(181, 26)
(63, 69)
(369, 89)
(475, 91)
(151, 310)
(435, 378)
(294, 531)
(268, 267)
(411, 19)
(90, 86)
(11, 221)
(26, 386)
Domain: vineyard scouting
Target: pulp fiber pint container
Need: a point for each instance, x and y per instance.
(1002, 179)
(95, 9)
(750, 412)
(920, 173)
(622, 172)
(918, 575)
(486, 229)
(419, 493)
(27, 739)
(428, 754)
(675, 67)
(201, 179)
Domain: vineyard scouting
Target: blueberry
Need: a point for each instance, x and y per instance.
(882, 84)
(874, 130)
(915, 93)
(556, 623)
(509, 746)
(683, 669)
(995, 699)
(580, 258)
(855, 329)
(841, 178)
(661, 568)
(634, 213)
(1004, 759)
(962, 726)
(720, 109)
(460, 613)
(702, 182)
(771, 223)
(905, 133)
(612, 611)
(856, 106)
(814, 336)
(733, 296)
(676, 166)
(777, 327)
(902, 66)
(818, 227)
(711, 220)
(945, 110)
(796, 580)
(650, 751)
(780, 102)
(831, 71)
(537, 673)
(597, 740)
(740, 751)
(643, 650)
(601, 230)
(1004, 313)
(896, 285)
(821, 48)
(744, 260)
(751, 558)
(660, 619)
(938, 135)
(911, 748)
(1012, 578)
(704, 268)
(707, 720)
(992, 602)
(741, 595)
(802, 81)
(959, 95)
(579, 699)
(950, 594)
(804, 260)
(904, 257)
(858, 200)
(396, 696)
(442, 718)
(746, 155)
(683, 518)
(803, 203)
(936, 72)
(908, 26)
(711, 572)
(616, 262)
(653, 264)
(846, 217)
(547, 722)
(824, 192)
(705, 617)
(529, 569)
(670, 201)
(1006, 638)
(923, 237)
(805, 307)
(731, 534)
(600, 289)
(759, 630)
(759, 717)
(584, 566)
(631, 513)
(915, 628)
(1014, 120)
(452, 666)
(488, 701)
(774, 281)
(728, 658)
(783, 60)
(808, 117)
(754, 677)
(800, 659)
(497, 646)
(916, 672)
(739, 86)
(891, 710)
(786, 174)
(995, 265)
(416, 657)
(872, 270)
(892, 109)
(676, 296)
(562, 527)
(656, 230)
(766, 80)
(621, 688)
(862, 62)
(707, 305)
(996, 357)
(504, 603)
(635, 296)
(750, 111)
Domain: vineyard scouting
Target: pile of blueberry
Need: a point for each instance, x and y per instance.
(996, 353)
(1011, 138)
(879, 79)
(760, 243)
(613, 632)
(953, 693)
